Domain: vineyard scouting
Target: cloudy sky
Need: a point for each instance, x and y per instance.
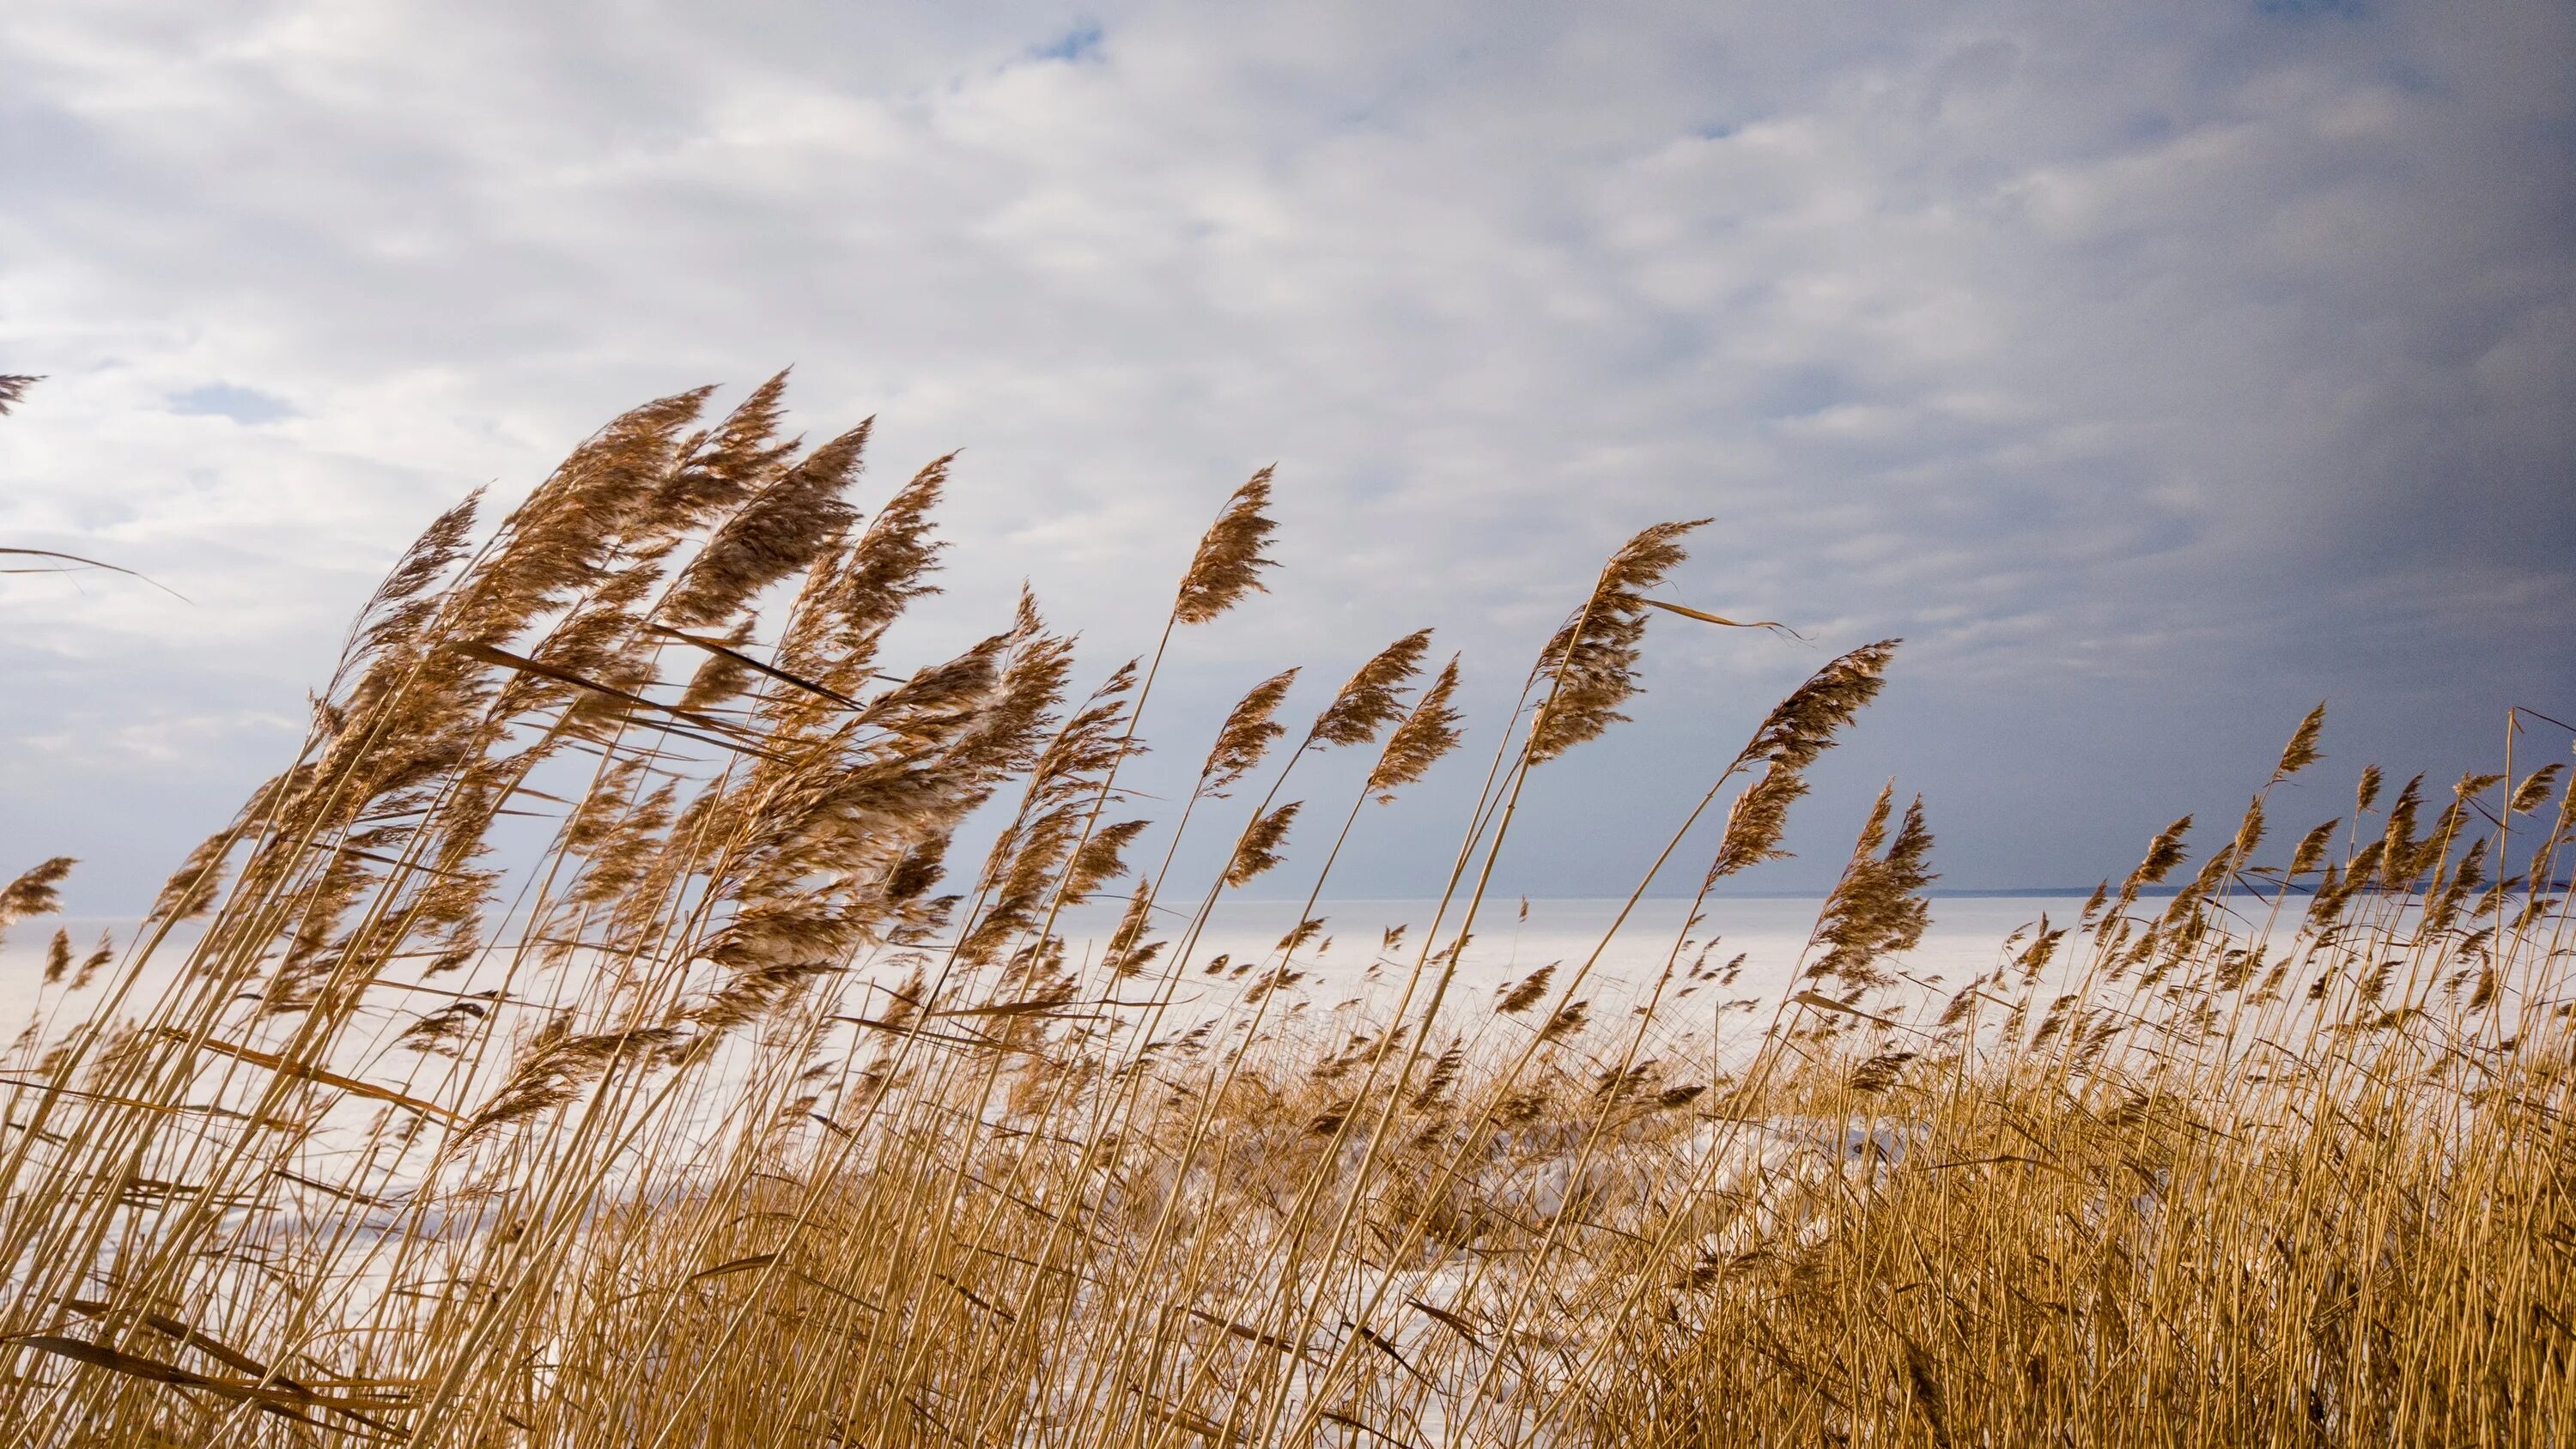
(2156, 370)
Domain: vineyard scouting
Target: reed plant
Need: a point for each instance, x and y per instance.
(598, 1034)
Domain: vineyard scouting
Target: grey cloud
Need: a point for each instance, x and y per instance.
(2155, 370)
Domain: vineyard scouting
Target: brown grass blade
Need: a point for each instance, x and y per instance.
(307, 1072)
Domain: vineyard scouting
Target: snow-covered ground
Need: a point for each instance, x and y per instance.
(1769, 931)
(1966, 937)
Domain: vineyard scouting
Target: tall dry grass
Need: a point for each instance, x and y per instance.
(575, 1045)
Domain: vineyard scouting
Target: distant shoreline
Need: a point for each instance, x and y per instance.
(2013, 893)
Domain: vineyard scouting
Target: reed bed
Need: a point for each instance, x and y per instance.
(599, 1035)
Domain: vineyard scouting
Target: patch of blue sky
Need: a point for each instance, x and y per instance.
(245, 405)
(1080, 43)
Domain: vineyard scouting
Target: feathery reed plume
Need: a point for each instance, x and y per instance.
(2302, 750)
(1245, 736)
(1879, 1072)
(191, 889)
(555, 1065)
(13, 387)
(724, 674)
(1755, 823)
(1259, 850)
(564, 538)
(714, 471)
(33, 893)
(2164, 852)
(1792, 737)
(1591, 661)
(58, 957)
(2312, 847)
(1803, 726)
(1002, 739)
(1519, 996)
(1372, 698)
(2366, 793)
(1567, 1021)
(1426, 732)
(99, 955)
(2535, 788)
(860, 594)
(2249, 836)
(1876, 909)
(405, 603)
(1443, 1075)
(1229, 561)
(1128, 952)
(781, 529)
(1101, 858)
(1056, 805)
(2400, 850)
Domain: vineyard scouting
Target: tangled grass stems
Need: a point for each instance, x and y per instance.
(709, 1118)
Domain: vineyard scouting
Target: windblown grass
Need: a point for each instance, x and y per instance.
(714, 1121)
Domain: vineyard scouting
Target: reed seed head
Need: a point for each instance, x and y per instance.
(1590, 664)
(1246, 735)
(1428, 731)
(1372, 698)
(1229, 560)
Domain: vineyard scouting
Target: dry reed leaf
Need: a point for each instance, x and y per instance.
(1448, 1320)
(116, 1360)
(720, 730)
(1250, 1334)
(308, 1072)
(1708, 618)
(732, 1266)
(1347, 1421)
(1189, 1421)
(729, 648)
(1821, 1002)
(190, 1336)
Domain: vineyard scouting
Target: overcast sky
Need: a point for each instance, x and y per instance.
(2155, 369)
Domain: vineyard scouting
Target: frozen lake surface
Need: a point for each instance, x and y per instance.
(1770, 932)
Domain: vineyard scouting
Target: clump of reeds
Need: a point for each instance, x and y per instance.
(735, 1111)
